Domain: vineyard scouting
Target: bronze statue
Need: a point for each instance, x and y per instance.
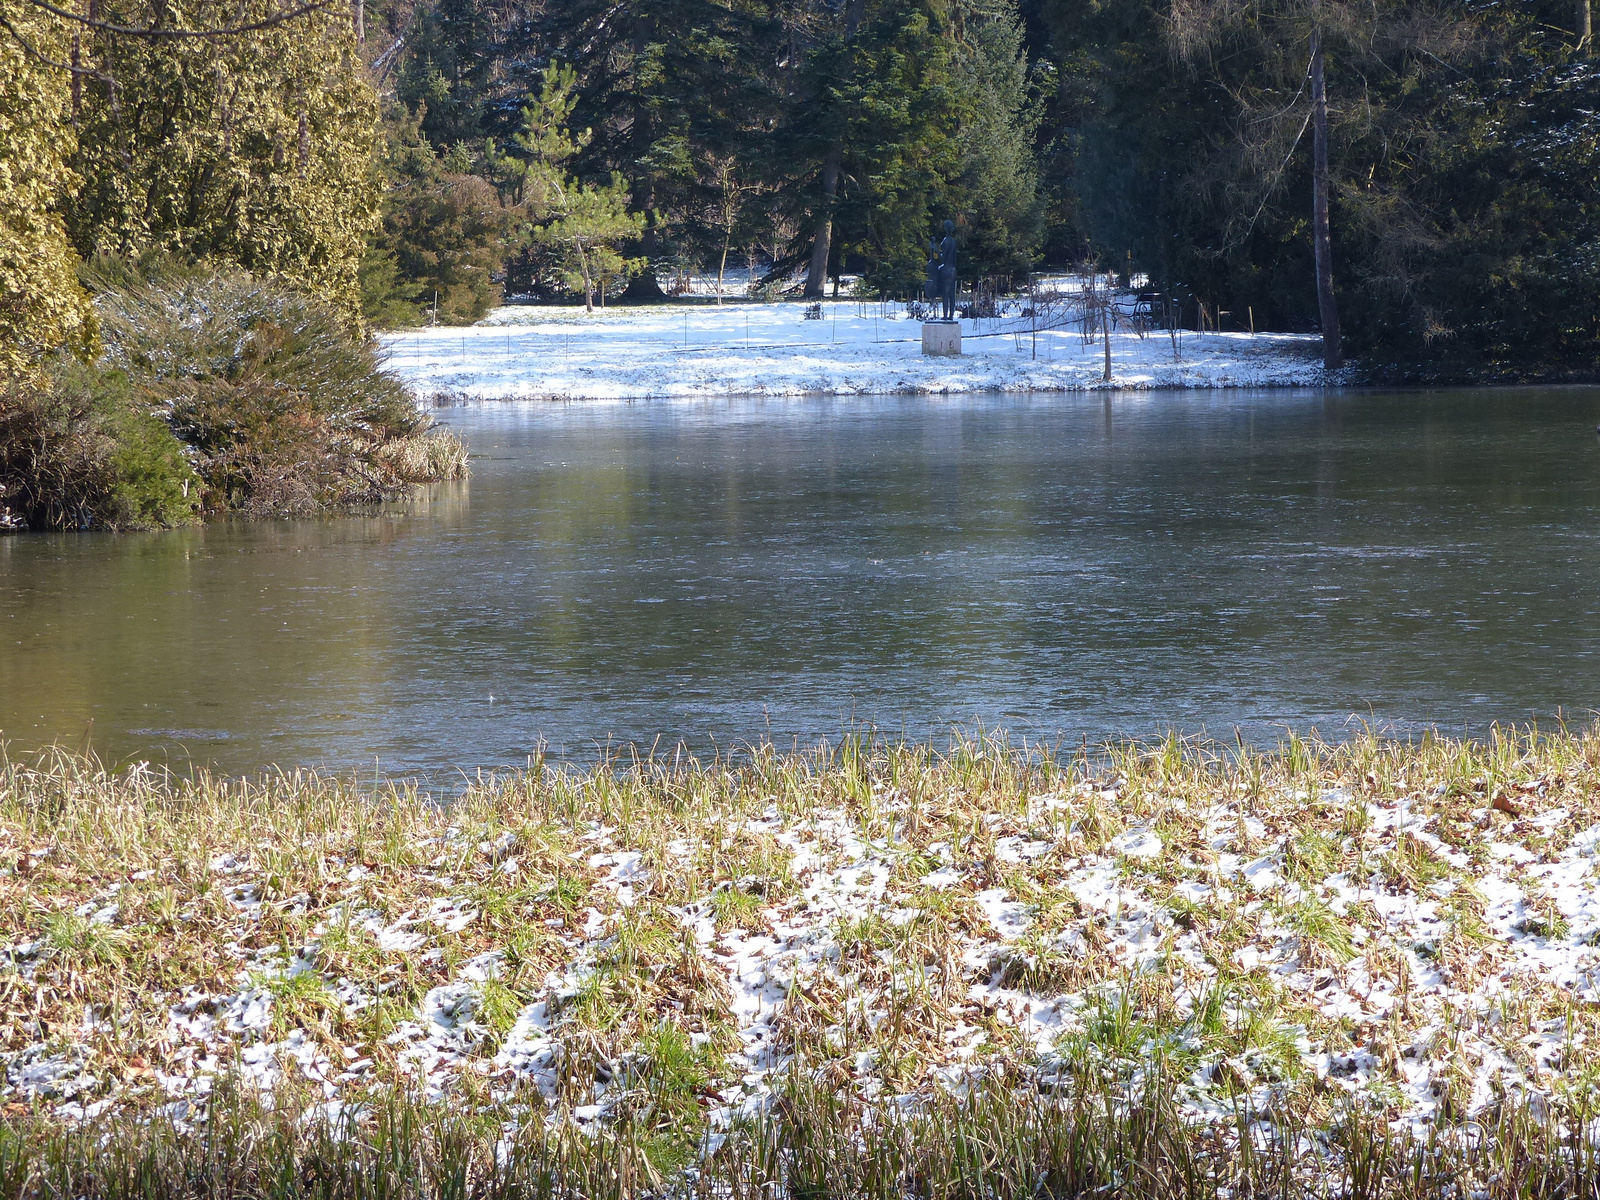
(947, 270)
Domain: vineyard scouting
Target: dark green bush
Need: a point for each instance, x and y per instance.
(78, 451)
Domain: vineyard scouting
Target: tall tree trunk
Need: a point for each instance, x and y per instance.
(822, 243)
(832, 166)
(358, 17)
(643, 287)
(1585, 30)
(1327, 306)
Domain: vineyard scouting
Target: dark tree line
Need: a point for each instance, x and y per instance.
(1415, 178)
(1418, 175)
(1462, 153)
(818, 138)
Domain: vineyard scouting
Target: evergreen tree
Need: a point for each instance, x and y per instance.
(671, 89)
(462, 67)
(873, 130)
(443, 239)
(997, 187)
(578, 227)
(532, 165)
(255, 149)
(1456, 135)
(42, 308)
(587, 226)
(1486, 265)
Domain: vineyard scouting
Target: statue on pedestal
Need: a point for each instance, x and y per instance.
(947, 270)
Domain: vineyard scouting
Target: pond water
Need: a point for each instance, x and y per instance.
(729, 570)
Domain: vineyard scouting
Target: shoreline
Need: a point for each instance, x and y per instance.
(1405, 932)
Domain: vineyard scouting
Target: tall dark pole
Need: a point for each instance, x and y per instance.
(1327, 306)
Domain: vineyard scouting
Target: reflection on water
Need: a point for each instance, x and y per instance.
(727, 570)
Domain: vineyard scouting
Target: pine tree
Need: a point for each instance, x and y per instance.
(588, 225)
(444, 235)
(872, 134)
(997, 187)
(579, 226)
(671, 88)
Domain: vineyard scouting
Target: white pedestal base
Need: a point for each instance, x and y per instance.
(941, 338)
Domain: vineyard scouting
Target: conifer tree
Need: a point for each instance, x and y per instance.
(42, 308)
(256, 149)
(996, 188)
(587, 227)
(874, 130)
(580, 226)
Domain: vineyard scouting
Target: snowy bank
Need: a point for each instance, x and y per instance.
(854, 349)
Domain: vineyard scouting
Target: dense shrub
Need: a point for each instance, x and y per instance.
(77, 451)
(285, 410)
(41, 304)
(216, 392)
(443, 240)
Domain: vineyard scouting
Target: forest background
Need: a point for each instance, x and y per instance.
(379, 163)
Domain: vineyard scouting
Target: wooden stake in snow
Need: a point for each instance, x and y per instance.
(1105, 329)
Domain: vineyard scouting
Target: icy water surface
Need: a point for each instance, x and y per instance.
(727, 570)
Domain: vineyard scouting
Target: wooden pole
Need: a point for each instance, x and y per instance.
(1105, 329)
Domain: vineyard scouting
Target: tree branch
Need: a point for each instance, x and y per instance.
(33, 52)
(152, 32)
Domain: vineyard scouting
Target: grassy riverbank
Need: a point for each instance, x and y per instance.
(1150, 967)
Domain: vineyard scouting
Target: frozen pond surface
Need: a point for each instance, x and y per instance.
(717, 571)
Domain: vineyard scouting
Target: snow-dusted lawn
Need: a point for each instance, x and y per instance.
(772, 350)
(1410, 930)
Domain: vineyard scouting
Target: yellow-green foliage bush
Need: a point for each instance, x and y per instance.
(256, 149)
(41, 305)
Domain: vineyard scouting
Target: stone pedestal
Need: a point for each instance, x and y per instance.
(941, 338)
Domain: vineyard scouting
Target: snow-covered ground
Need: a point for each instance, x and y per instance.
(855, 349)
(1421, 944)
